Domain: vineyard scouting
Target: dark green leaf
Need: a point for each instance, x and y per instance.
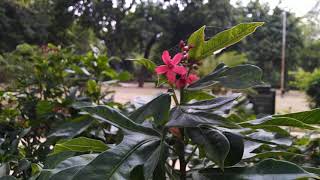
(236, 148)
(114, 117)
(68, 168)
(71, 128)
(118, 162)
(238, 77)
(211, 104)
(181, 118)
(80, 144)
(215, 143)
(277, 121)
(277, 154)
(267, 169)
(158, 108)
(269, 137)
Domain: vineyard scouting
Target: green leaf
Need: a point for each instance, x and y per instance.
(80, 144)
(215, 143)
(276, 121)
(118, 162)
(148, 64)
(267, 169)
(158, 108)
(114, 117)
(68, 168)
(71, 128)
(212, 103)
(238, 77)
(197, 41)
(196, 95)
(277, 154)
(308, 117)
(228, 37)
(236, 148)
(181, 118)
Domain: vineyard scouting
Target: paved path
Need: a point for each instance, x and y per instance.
(293, 101)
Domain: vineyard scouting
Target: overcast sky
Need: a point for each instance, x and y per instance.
(300, 7)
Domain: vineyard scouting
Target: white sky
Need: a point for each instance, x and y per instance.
(300, 7)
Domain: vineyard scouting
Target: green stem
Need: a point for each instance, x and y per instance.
(174, 95)
(181, 147)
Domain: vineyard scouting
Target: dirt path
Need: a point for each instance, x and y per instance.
(293, 101)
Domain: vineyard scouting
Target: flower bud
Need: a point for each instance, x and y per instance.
(182, 44)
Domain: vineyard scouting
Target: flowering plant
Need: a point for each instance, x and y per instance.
(194, 138)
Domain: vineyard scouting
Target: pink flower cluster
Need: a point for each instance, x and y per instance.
(176, 74)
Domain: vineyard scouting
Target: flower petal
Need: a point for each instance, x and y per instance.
(192, 78)
(179, 70)
(181, 83)
(177, 58)
(162, 69)
(171, 76)
(166, 58)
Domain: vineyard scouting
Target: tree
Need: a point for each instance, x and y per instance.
(267, 50)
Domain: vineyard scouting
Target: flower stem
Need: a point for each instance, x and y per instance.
(174, 95)
(181, 147)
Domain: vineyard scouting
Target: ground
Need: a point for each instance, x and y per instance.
(292, 101)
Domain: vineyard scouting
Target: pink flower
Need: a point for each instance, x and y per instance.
(171, 68)
(184, 80)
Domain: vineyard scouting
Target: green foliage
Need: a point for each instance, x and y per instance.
(308, 81)
(59, 97)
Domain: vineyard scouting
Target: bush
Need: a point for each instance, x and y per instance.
(309, 82)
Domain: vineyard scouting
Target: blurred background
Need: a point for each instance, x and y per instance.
(133, 29)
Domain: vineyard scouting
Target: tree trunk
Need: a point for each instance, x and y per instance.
(143, 71)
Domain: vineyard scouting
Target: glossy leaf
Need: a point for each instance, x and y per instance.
(277, 121)
(71, 128)
(267, 169)
(68, 168)
(236, 148)
(80, 144)
(181, 118)
(215, 143)
(237, 77)
(158, 108)
(114, 117)
(277, 154)
(212, 103)
(118, 162)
